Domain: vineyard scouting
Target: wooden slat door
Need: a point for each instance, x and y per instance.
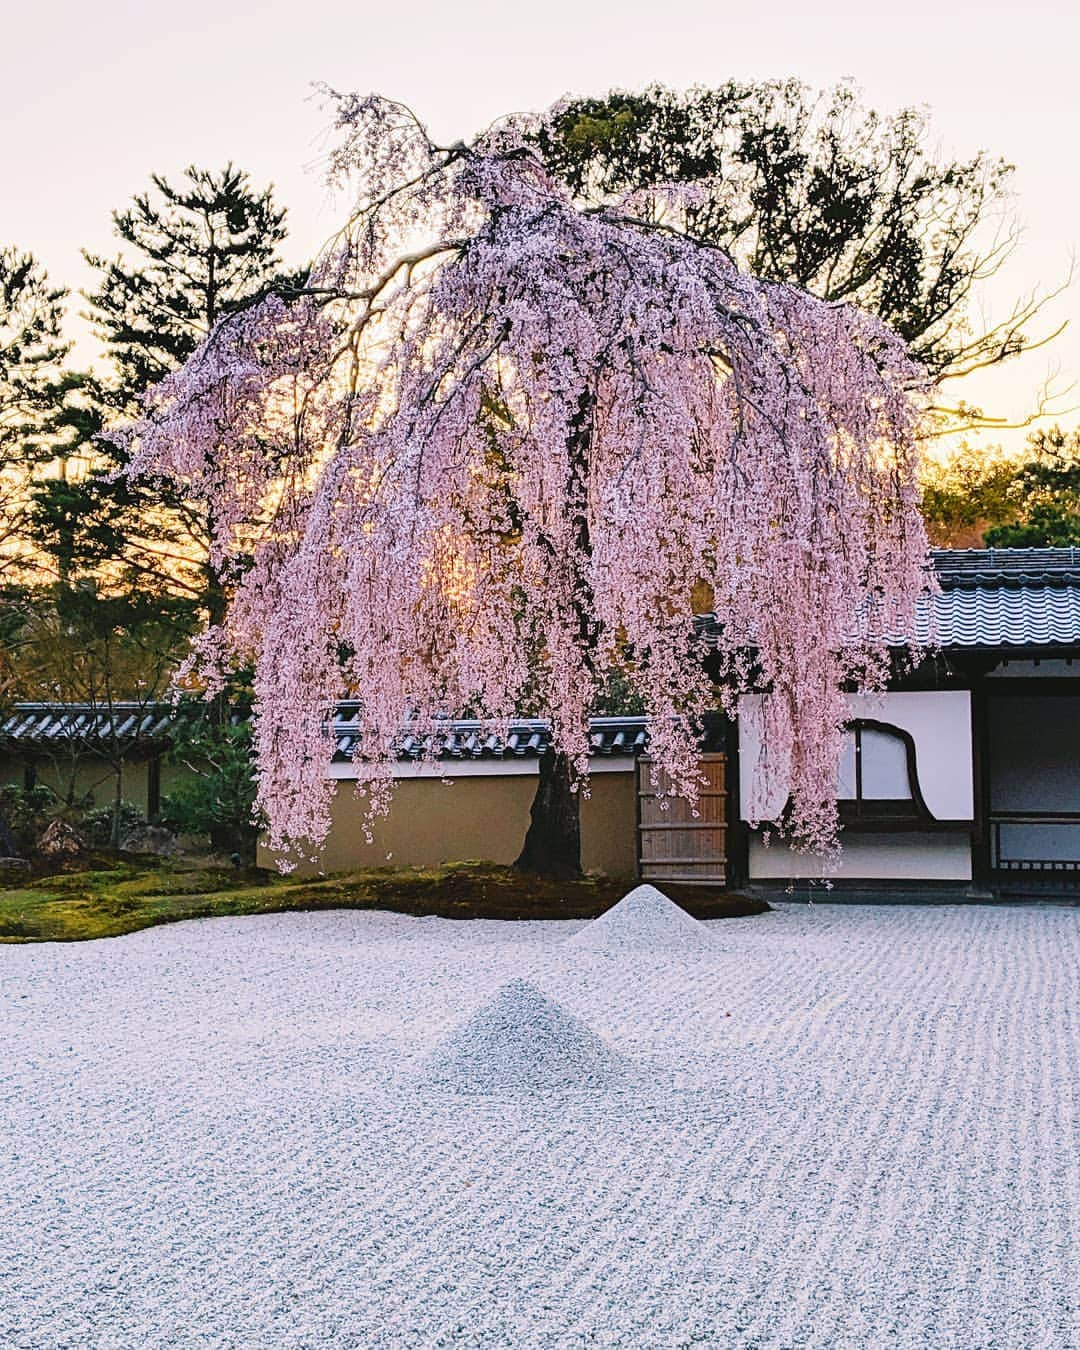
(672, 844)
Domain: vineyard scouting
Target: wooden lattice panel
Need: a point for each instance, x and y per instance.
(676, 844)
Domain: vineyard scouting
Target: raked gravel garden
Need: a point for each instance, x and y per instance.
(823, 1126)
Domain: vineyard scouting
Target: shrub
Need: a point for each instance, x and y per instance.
(24, 813)
(96, 825)
(217, 799)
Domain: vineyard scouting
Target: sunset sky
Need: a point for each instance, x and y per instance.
(97, 96)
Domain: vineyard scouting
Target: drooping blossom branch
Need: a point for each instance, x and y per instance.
(496, 445)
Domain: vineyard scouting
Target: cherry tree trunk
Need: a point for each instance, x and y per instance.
(553, 843)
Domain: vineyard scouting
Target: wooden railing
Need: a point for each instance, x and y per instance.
(1001, 862)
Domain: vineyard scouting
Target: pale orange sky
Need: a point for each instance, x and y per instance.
(95, 96)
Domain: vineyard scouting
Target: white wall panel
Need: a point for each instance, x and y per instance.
(939, 722)
(903, 856)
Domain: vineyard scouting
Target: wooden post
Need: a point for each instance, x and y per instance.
(153, 788)
(738, 836)
(981, 864)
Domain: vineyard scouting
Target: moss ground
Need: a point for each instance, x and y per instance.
(115, 897)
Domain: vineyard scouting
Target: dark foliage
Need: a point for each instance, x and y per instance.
(24, 813)
(212, 740)
(32, 352)
(190, 254)
(194, 252)
(1026, 501)
(1047, 495)
(816, 190)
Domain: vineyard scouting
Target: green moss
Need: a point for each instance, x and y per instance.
(110, 901)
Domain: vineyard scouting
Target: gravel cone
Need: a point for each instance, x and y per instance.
(645, 918)
(522, 1042)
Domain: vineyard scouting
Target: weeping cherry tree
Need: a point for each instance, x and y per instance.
(494, 448)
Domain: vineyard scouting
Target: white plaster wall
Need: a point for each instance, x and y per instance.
(903, 856)
(939, 722)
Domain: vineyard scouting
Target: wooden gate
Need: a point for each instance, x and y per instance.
(673, 846)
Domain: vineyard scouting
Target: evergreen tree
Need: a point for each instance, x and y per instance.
(988, 498)
(217, 796)
(37, 411)
(190, 254)
(32, 387)
(817, 191)
(1047, 495)
(193, 253)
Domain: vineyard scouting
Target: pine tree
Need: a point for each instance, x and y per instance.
(193, 253)
(32, 386)
(190, 254)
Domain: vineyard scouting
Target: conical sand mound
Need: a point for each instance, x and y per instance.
(521, 1042)
(644, 919)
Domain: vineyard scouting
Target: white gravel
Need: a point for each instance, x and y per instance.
(644, 919)
(520, 1043)
(848, 1127)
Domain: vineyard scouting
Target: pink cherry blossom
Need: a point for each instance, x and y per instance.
(491, 450)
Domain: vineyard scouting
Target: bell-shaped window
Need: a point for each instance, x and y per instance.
(878, 783)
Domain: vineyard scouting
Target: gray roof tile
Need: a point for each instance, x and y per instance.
(1025, 616)
(467, 739)
(40, 725)
(52, 723)
(1022, 597)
